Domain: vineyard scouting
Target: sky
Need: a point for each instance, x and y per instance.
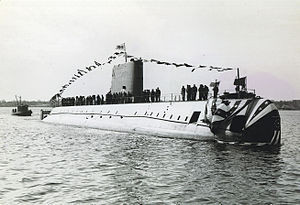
(44, 42)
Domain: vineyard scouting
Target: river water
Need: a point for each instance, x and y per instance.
(54, 164)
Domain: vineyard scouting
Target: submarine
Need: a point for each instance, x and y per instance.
(233, 118)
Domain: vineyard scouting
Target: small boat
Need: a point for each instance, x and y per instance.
(22, 109)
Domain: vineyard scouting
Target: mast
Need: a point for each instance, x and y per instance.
(243, 83)
(238, 77)
(125, 53)
(17, 102)
(123, 48)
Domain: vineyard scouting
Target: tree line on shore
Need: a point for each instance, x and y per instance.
(31, 103)
(281, 105)
(288, 105)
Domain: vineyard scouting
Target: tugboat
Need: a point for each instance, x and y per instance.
(22, 109)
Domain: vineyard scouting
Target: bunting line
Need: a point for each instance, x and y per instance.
(210, 68)
(81, 72)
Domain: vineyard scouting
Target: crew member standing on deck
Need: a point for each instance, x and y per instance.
(194, 92)
(201, 92)
(123, 90)
(123, 94)
(158, 94)
(188, 92)
(216, 90)
(98, 101)
(102, 99)
(206, 90)
(183, 93)
(152, 95)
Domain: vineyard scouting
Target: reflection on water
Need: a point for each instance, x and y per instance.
(54, 164)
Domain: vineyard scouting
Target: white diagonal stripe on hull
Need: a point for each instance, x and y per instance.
(273, 138)
(217, 118)
(243, 111)
(277, 138)
(261, 101)
(265, 111)
(242, 103)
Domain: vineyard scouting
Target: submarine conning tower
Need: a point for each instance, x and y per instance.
(130, 75)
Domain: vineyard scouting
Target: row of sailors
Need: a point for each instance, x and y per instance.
(82, 100)
(126, 97)
(190, 93)
(113, 98)
(152, 96)
(118, 97)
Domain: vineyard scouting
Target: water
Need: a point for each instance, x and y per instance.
(46, 164)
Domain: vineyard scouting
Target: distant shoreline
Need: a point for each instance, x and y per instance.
(281, 105)
(29, 106)
(29, 103)
(288, 105)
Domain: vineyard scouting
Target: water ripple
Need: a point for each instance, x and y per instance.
(55, 164)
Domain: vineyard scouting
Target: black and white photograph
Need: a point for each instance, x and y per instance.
(149, 102)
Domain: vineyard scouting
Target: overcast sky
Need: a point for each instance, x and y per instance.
(43, 43)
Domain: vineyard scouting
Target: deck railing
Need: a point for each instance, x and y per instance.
(166, 97)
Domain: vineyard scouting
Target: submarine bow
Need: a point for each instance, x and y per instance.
(247, 121)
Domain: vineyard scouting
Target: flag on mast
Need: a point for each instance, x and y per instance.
(121, 47)
(213, 84)
(240, 81)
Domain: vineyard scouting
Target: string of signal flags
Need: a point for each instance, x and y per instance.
(81, 72)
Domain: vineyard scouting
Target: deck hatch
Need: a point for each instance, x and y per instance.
(195, 117)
